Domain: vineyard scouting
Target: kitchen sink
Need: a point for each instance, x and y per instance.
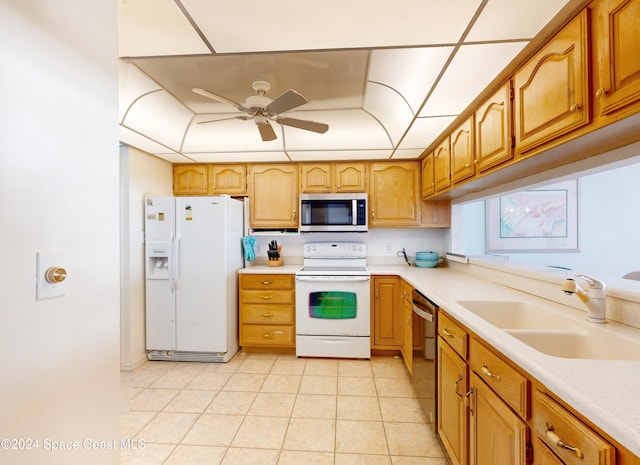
(552, 333)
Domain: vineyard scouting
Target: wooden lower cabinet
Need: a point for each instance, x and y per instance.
(267, 310)
(407, 325)
(387, 315)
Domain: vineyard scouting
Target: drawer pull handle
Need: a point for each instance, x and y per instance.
(573, 108)
(601, 92)
(485, 370)
(266, 335)
(555, 439)
(267, 315)
(266, 283)
(267, 297)
(446, 332)
(455, 385)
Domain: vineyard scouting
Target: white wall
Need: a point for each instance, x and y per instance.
(59, 191)
(142, 174)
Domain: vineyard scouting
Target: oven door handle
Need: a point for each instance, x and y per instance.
(328, 279)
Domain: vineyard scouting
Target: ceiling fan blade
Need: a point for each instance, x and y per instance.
(266, 131)
(242, 117)
(304, 124)
(219, 98)
(287, 101)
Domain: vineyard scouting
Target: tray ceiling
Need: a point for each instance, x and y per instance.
(387, 76)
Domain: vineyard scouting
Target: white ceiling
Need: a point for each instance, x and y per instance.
(387, 76)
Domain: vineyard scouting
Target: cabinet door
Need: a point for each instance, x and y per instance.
(452, 411)
(496, 434)
(273, 196)
(428, 176)
(494, 130)
(315, 178)
(228, 179)
(387, 319)
(407, 326)
(394, 194)
(190, 180)
(462, 152)
(552, 88)
(350, 177)
(442, 166)
(616, 43)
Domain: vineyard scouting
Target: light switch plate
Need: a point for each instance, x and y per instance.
(44, 261)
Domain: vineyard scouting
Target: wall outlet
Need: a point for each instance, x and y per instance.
(389, 247)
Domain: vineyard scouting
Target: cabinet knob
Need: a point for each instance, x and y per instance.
(467, 165)
(573, 108)
(601, 92)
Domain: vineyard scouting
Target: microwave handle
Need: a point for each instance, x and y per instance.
(354, 212)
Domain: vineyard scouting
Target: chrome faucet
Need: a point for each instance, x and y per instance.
(593, 297)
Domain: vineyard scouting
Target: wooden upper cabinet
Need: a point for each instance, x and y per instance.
(442, 166)
(616, 44)
(394, 194)
(273, 193)
(462, 152)
(228, 179)
(552, 88)
(494, 130)
(332, 177)
(190, 180)
(428, 180)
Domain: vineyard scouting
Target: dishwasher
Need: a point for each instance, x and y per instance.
(426, 309)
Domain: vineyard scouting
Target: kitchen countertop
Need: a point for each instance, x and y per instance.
(603, 391)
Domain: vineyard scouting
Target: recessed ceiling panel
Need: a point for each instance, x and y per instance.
(132, 85)
(256, 25)
(339, 155)
(407, 154)
(513, 19)
(155, 27)
(240, 157)
(471, 70)
(129, 137)
(228, 135)
(424, 131)
(388, 107)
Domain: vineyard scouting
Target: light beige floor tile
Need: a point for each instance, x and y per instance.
(152, 454)
(167, 427)
(406, 409)
(261, 433)
(209, 380)
(424, 387)
(148, 373)
(293, 457)
(321, 367)
(310, 434)
(403, 460)
(356, 368)
(319, 385)
(362, 459)
(281, 383)
(352, 386)
(358, 408)
(231, 402)
(314, 406)
(261, 355)
(288, 366)
(174, 380)
(190, 401)
(249, 382)
(389, 370)
(423, 369)
(272, 404)
(412, 439)
(361, 437)
(240, 456)
(213, 430)
(196, 455)
(133, 421)
(152, 400)
(256, 365)
(392, 387)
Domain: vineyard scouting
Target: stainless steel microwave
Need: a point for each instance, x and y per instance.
(347, 212)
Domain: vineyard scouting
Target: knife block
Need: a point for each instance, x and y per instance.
(276, 262)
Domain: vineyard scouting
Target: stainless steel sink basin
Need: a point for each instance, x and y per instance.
(552, 333)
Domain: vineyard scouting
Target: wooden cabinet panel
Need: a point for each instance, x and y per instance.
(406, 304)
(350, 177)
(228, 179)
(394, 194)
(315, 178)
(494, 130)
(616, 39)
(442, 166)
(462, 152)
(190, 180)
(428, 176)
(452, 420)
(453, 334)
(552, 88)
(273, 192)
(332, 177)
(387, 318)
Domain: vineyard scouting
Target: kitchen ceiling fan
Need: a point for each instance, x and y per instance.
(262, 109)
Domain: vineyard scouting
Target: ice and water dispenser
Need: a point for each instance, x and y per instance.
(158, 260)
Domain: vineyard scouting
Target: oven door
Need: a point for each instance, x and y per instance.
(333, 305)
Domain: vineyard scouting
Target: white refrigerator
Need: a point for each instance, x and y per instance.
(192, 254)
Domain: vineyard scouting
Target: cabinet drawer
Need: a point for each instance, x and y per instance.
(266, 281)
(268, 313)
(266, 296)
(560, 430)
(453, 333)
(267, 335)
(510, 385)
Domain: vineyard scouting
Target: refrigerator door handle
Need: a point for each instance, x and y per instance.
(176, 268)
(172, 279)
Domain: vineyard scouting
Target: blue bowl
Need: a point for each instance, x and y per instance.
(429, 256)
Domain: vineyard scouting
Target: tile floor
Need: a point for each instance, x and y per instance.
(279, 410)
